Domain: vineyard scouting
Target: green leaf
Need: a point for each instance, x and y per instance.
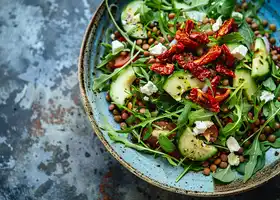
(253, 152)
(148, 133)
(275, 144)
(200, 115)
(183, 118)
(269, 84)
(227, 8)
(146, 14)
(166, 144)
(231, 128)
(275, 72)
(159, 4)
(247, 33)
(260, 164)
(187, 168)
(222, 7)
(234, 37)
(225, 175)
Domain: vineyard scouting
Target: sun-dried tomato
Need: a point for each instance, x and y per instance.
(163, 69)
(177, 48)
(201, 38)
(224, 71)
(226, 28)
(222, 97)
(189, 26)
(214, 84)
(210, 56)
(122, 39)
(184, 38)
(185, 62)
(211, 134)
(207, 101)
(227, 56)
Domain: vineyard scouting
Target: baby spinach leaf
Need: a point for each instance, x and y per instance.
(166, 144)
(225, 175)
(269, 84)
(146, 14)
(254, 152)
(200, 115)
(217, 8)
(227, 8)
(247, 33)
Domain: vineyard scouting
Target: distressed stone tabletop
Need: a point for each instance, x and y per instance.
(47, 147)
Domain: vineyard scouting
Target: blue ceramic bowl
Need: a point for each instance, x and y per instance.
(156, 171)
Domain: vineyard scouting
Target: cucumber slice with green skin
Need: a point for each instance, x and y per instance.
(131, 22)
(120, 87)
(250, 86)
(260, 63)
(193, 148)
(179, 82)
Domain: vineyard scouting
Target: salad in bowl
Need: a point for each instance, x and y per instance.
(194, 82)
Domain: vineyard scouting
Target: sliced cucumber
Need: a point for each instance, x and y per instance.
(193, 148)
(179, 83)
(250, 86)
(131, 21)
(120, 87)
(260, 63)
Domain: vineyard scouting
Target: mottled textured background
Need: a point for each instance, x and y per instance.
(47, 147)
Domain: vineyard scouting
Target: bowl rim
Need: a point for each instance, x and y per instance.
(99, 133)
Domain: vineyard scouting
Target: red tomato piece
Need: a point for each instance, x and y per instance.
(121, 61)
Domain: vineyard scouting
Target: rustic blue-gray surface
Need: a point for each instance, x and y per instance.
(47, 147)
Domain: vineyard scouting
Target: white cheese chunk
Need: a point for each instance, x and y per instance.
(157, 49)
(201, 127)
(149, 89)
(237, 15)
(117, 46)
(232, 144)
(146, 98)
(233, 159)
(267, 96)
(239, 52)
(196, 15)
(216, 26)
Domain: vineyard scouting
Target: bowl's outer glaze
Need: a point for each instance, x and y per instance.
(155, 171)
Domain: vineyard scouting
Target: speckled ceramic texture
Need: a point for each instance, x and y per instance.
(155, 171)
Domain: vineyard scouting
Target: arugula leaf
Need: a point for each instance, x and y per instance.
(163, 26)
(148, 133)
(159, 4)
(183, 118)
(247, 33)
(277, 91)
(234, 37)
(253, 152)
(227, 8)
(225, 175)
(166, 144)
(146, 14)
(187, 168)
(189, 4)
(260, 164)
(200, 115)
(217, 8)
(100, 82)
(275, 72)
(275, 144)
(269, 84)
(231, 128)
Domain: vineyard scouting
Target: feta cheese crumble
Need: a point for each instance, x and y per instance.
(196, 15)
(267, 96)
(149, 89)
(146, 98)
(201, 127)
(117, 46)
(157, 49)
(216, 26)
(237, 15)
(233, 159)
(232, 144)
(239, 52)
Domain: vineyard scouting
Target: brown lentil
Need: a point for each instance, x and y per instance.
(111, 64)
(158, 32)
(140, 103)
(217, 161)
(241, 159)
(152, 24)
(262, 137)
(146, 46)
(155, 29)
(123, 125)
(142, 110)
(274, 57)
(210, 33)
(225, 110)
(116, 112)
(254, 26)
(277, 125)
(223, 165)
(262, 121)
(171, 15)
(152, 61)
(249, 20)
(151, 41)
(205, 20)
(139, 42)
(156, 43)
(272, 40)
(271, 138)
(272, 27)
(244, 5)
(225, 82)
(169, 37)
(213, 167)
(255, 129)
(118, 118)
(108, 98)
(146, 53)
(206, 171)
(274, 52)
(124, 116)
(149, 34)
(129, 105)
(265, 23)
(257, 32)
(267, 129)
(205, 164)
(247, 143)
(278, 98)
(144, 41)
(250, 115)
(112, 107)
(123, 53)
(258, 122)
(161, 39)
(224, 157)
